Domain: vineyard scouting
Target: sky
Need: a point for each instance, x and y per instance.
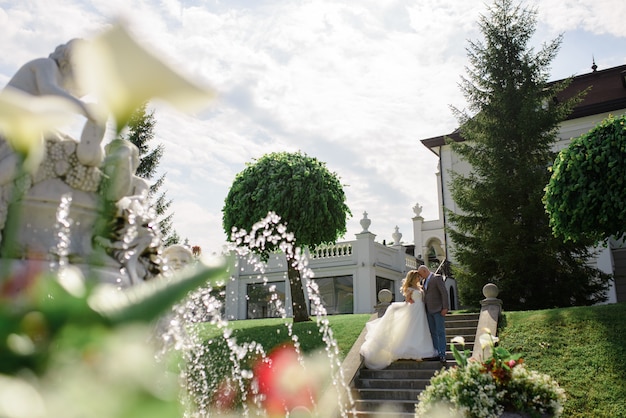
(354, 83)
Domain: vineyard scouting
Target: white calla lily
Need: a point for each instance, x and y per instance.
(485, 341)
(25, 119)
(458, 340)
(124, 76)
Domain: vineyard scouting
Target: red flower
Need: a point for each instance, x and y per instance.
(283, 382)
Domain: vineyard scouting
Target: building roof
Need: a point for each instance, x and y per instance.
(607, 93)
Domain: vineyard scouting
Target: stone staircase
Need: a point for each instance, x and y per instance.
(393, 391)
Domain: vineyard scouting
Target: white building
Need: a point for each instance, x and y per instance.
(607, 95)
(349, 276)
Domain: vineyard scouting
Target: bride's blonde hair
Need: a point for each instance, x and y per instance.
(412, 279)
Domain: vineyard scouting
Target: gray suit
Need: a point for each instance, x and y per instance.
(435, 300)
(436, 295)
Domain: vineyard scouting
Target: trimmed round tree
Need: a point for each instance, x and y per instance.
(586, 195)
(308, 198)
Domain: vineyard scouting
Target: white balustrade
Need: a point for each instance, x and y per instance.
(331, 251)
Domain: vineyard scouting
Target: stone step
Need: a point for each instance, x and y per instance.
(462, 317)
(465, 332)
(412, 365)
(382, 408)
(396, 386)
(386, 394)
(383, 413)
(395, 383)
(393, 391)
(452, 321)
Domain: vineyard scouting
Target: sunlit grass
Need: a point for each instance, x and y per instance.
(583, 348)
(272, 332)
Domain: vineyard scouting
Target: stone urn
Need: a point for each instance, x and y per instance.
(365, 222)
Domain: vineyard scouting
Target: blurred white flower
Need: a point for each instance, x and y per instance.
(124, 75)
(19, 399)
(20, 344)
(25, 119)
(487, 340)
(458, 340)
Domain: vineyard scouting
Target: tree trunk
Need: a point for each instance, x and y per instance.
(298, 303)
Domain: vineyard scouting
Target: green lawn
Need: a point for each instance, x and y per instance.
(271, 332)
(213, 364)
(583, 348)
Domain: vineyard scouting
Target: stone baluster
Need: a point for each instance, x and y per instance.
(490, 310)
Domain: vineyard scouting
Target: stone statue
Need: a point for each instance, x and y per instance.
(176, 257)
(91, 175)
(55, 76)
(134, 239)
(120, 166)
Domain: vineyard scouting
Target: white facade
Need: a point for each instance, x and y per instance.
(609, 95)
(363, 261)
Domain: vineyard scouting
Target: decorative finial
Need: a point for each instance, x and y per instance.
(396, 236)
(594, 67)
(365, 223)
(417, 209)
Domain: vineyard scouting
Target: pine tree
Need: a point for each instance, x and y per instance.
(501, 234)
(141, 132)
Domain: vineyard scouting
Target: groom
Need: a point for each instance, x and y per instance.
(436, 301)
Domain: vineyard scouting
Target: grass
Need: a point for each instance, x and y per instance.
(272, 332)
(210, 366)
(583, 348)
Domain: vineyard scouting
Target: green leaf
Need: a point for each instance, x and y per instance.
(146, 301)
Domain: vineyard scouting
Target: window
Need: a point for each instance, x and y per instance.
(266, 300)
(336, 294)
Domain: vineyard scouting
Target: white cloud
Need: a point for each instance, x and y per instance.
(597, 17)
(354, 84)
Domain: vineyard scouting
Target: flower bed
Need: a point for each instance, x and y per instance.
(499, 384)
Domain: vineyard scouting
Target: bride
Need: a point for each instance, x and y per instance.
(402, 332)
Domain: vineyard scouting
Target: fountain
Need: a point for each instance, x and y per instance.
(79, 295)
(243, 387)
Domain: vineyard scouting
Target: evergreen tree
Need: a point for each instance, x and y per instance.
(141, 132)
(502, 234)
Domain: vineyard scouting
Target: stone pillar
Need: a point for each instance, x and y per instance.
(490, 310)
(440, 190)
(418, 220)
(365, 277)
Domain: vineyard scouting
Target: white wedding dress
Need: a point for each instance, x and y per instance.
(401, 333)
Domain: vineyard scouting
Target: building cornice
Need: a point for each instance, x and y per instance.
(607, 93)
